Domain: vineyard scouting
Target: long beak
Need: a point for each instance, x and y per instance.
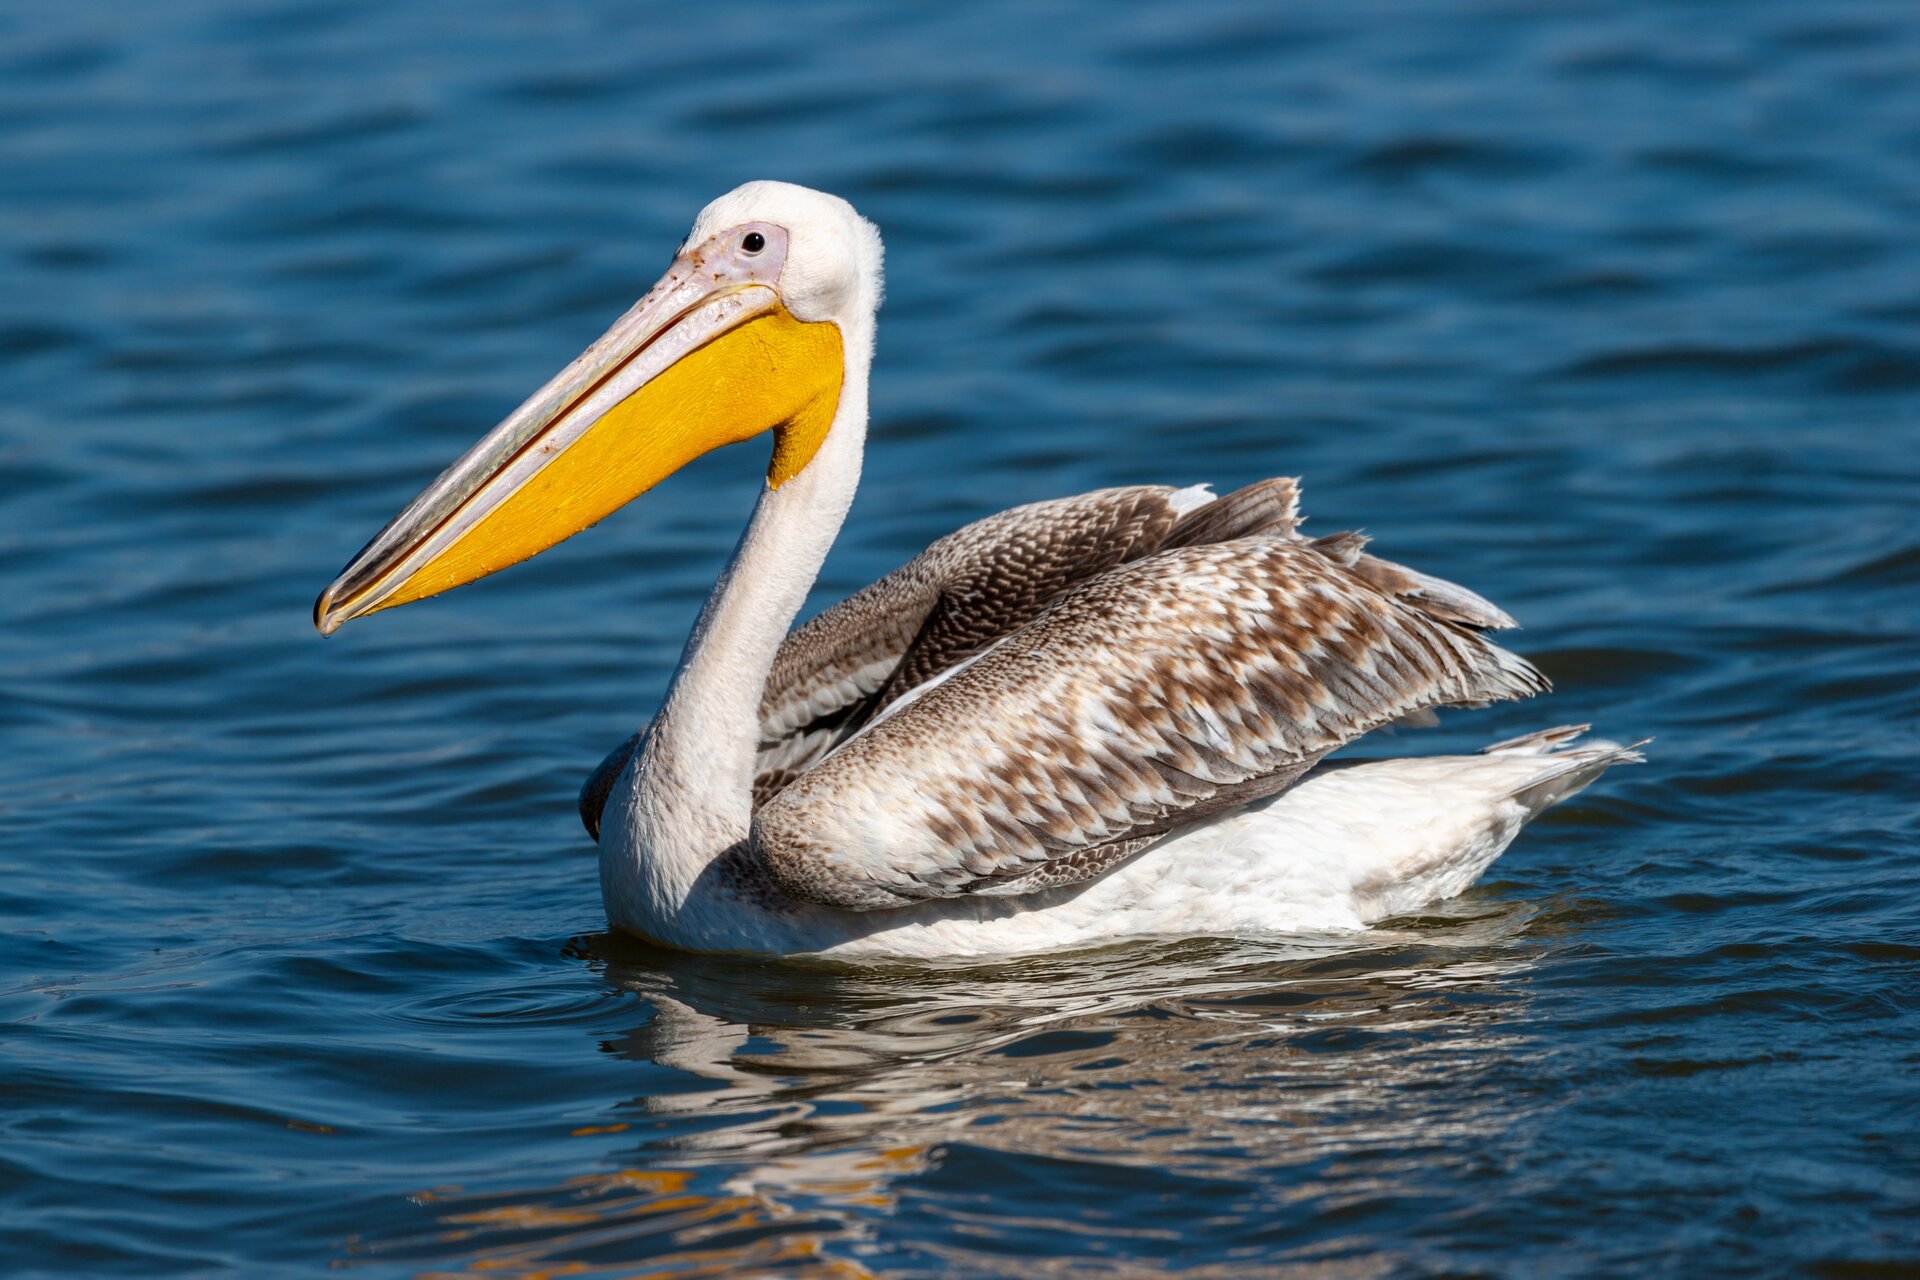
(709, 357)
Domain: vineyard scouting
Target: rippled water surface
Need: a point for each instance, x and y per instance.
(1610, 311)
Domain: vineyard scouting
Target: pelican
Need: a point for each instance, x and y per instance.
(1101, 717)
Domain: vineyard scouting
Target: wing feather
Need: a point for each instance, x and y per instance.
(1163, 690)
(955, 598)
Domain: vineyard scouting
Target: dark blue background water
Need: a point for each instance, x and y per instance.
(1611, 311)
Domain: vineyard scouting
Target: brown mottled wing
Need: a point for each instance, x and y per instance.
(967, 591)
(959, 595)
(977, 584)
(1164, 690)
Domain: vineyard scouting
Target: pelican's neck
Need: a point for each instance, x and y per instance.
(711, 716)
(691, 792)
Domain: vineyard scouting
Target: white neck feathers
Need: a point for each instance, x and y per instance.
(688, 795)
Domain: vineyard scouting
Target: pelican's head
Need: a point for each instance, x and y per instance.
(746, 333)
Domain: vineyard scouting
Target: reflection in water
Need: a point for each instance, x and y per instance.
(1108, 1092)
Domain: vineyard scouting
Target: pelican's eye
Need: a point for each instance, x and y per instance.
(752, 242)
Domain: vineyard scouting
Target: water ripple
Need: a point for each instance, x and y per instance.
(1609, 312)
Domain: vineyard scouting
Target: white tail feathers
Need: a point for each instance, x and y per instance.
(1566, 769)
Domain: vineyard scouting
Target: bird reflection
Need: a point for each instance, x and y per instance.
(810, 1099)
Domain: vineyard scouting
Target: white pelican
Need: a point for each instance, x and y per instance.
(1075, 721)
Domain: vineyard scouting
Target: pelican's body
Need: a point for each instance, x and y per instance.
(1078, 721)
(1343, 848)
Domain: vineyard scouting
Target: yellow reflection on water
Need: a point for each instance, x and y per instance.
(841, 1089)
(632, 1223)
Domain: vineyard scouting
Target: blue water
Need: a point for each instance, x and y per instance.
(1610, 311)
